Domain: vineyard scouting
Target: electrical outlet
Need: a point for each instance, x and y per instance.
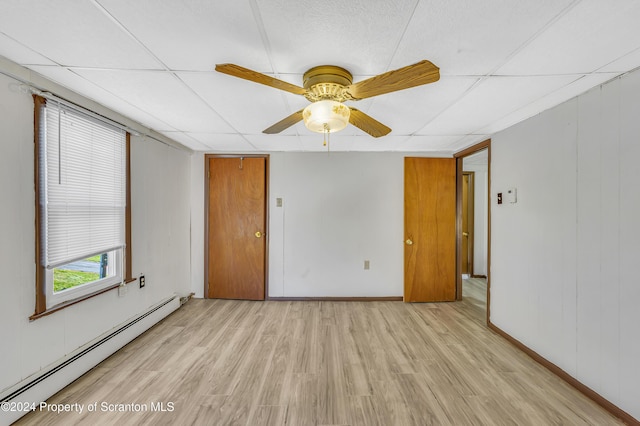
(367, 264)
(142, 281)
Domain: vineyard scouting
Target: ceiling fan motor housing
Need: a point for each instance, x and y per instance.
(327, 82)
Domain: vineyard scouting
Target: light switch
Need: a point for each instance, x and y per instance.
(278, 202)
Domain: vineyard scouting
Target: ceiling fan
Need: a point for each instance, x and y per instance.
(328, 86)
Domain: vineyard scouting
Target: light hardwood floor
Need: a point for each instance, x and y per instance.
(230, 362)
(475, 289)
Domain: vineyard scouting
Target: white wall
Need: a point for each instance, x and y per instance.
(564, 258)
(339, 209)
(161, 217)
(197, 224)
(160, 186)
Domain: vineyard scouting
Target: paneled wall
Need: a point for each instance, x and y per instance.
(160, 177)
(338, 210)
(564, 260)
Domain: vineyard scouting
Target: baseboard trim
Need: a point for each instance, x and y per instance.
(339, 299)
(585, 390)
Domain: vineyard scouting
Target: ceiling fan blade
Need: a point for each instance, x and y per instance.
(247, 74)
(367, 123)
(284, 123)
(423, 72)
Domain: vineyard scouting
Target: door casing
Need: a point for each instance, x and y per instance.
(459, 156)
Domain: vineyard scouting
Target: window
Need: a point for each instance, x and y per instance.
(82, 191)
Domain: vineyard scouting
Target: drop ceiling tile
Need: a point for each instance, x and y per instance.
(472, 38)
(186, 140)
(223, 142)
(625, 63)
(162, 95)
(19, 53)
(295, 102)
(275, 143)
(428, 143)
(88, 89)
(248, 107)
(367, 143)
(360, 35)
(137, 114)
(591, 35)
(72, 33)
(490, 101)
(552, 99)
(344, 143)
(289, 77)
(339, 141)
(408, 111)
(313, 142)
(194, 35)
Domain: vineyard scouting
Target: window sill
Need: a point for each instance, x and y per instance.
(72, 302)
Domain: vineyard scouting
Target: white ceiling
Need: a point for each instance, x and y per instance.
(501, 62)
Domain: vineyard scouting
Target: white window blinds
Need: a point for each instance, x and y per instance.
(83, 179)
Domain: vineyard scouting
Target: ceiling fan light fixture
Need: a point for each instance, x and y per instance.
(326, 116)
(327, 86)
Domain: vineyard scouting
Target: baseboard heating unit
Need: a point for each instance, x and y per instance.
(45, 383)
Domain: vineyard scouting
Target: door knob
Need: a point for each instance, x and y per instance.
(408, 242)
(258, 234)
(465, 234)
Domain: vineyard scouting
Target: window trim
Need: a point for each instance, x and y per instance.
(40, 275)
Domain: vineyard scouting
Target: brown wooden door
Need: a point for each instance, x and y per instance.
(237, 239)
(430, 229)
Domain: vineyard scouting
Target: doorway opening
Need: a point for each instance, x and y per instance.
(473, 236)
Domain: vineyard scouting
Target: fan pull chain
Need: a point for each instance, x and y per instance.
(326, 133)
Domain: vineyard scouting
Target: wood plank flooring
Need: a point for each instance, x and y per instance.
(226, 362)
(475, 288)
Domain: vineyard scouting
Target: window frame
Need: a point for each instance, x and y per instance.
(42, 285)
(55, 298)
